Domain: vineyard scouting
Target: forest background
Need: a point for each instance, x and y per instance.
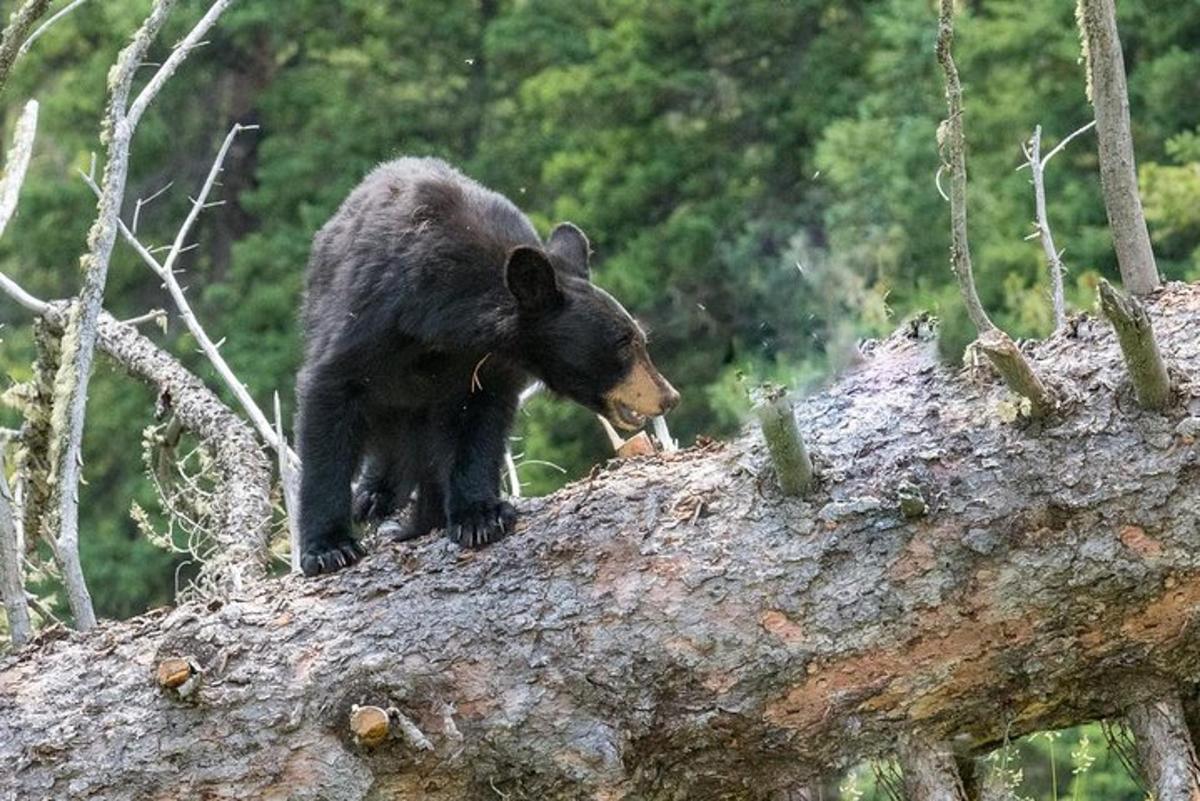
(757, 179)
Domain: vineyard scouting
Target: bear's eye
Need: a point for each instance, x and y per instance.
(624, 342)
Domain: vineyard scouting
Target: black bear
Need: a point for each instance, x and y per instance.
(431, 303)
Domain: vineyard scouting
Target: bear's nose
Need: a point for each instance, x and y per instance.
(670, 398)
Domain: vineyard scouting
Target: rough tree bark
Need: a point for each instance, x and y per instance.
(675, 628)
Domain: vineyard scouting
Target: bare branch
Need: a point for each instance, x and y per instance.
(1165, 750)
(1033, 157)
(12, 580)
(1118, 171)
(18, 26)
(1037, 165)
(182, 50)
(79, 339)
(953, 150)
(1061, 145)
(17, 163)
(15, 168)
(165, 270)
(45, 26)
(289, 480)
(1147, 370)
(17, 293)
(156, 316)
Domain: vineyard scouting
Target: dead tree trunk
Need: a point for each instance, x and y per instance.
(677, 628)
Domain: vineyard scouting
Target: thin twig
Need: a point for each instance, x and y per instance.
(18, 293)
(1037, 166)
(1058, 149)
(165, 270)
(1033, 156)
(181, 52)
(951, 141)
(289, 479)
(514, 480)
(143, 202)
(45, 26)
(157, 316)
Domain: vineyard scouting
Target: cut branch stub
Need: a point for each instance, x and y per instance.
(1165, 749)
(1147, 370)
(1017, 372)
(930, 771)
(369, 725)
(172, 673)
(793, 467)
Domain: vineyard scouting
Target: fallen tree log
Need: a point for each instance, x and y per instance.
(675, 628)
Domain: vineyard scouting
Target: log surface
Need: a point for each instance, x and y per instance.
(674, 628)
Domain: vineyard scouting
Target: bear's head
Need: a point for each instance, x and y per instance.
(577, 338)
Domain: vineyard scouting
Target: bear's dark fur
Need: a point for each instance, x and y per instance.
(431, 303)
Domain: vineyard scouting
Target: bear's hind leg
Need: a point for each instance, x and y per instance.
(428, 513)
(381, 492)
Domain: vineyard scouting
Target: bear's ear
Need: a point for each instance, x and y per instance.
(530, 278)
(571, 245)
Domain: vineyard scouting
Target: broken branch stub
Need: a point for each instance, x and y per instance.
(1147, 370)
(1017, 372)
(793, 467)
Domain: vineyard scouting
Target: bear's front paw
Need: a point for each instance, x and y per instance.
(330, 554)
(479, 524)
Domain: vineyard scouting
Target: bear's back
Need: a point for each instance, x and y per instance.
(413, 228)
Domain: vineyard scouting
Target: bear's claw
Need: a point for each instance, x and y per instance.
(481, 524)
(326, 557)
(371, 505)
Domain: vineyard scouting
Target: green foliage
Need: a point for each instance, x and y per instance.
(1078, 764)
(757, 180)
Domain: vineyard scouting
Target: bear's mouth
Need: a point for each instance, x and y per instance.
(625, 417)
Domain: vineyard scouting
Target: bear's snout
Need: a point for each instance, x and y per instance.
(643, 393)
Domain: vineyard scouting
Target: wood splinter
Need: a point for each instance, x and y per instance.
(1017, 372)
(1147, 370)
(793, 467)
(639, 444)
